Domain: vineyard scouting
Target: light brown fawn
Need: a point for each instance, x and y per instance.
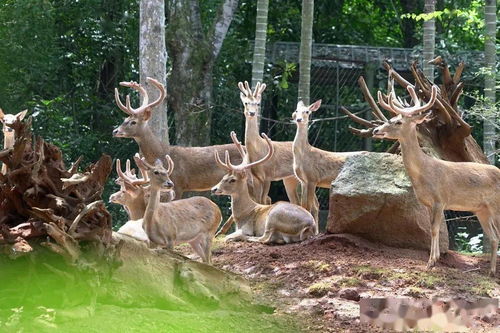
(9, 135)
(281, 222)
(438, 184)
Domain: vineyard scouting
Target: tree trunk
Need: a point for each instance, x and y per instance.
(153, 59)
(193, 53)
(429, 40)
(305, 50)
(259, 51)
(489, 80)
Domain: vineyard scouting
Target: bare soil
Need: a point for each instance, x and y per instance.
(316, 279)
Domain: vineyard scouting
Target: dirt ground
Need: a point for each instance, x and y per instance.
(321, 280)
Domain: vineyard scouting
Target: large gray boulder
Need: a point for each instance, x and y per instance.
(373, 197)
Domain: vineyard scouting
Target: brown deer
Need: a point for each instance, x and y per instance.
(312, 166)
(193, 220)
(195, 168)
(439, 184)
(280, 166)
(9, 135)
(281, 222)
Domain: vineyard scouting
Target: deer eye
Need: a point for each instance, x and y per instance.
(133, 122)
(232, 180)
(156, 172)
(399, 122)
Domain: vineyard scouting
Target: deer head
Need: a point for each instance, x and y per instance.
(10, 119)
(159, 177)
(130, 185)
(251, 99)
(303, 112)
(408, 117)
(137, 119)
(235, 181)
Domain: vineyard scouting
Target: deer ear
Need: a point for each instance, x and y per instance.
(21, 115)
(147, 114)
(423, 118)
(315, 106)
(141, 164)
(2, 115)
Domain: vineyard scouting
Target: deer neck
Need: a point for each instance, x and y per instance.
(151, 147)
(8, 139)
(136, 209)
(301, 142)
(252, 136)
(413, 156)
(151, 209)
(242, 204)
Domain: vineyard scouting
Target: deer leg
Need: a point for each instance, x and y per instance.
(291, 184)
(206, 245)
(312, 203)
(196, 246)
(225, 226)
(487, 221)
(437, 216)
(266, 185)
(303, 195)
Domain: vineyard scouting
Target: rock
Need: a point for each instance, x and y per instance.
(372, 197)
(349, 294)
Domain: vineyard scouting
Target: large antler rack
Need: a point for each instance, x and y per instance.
(446, 106)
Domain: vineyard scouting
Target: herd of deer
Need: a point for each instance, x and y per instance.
(159, 215)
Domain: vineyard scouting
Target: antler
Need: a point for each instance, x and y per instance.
(412, 110)
(244, 165)
(128, 176)
(247, 91)
(127, 108)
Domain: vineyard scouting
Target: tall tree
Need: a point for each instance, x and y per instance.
(193, 49)
(305, 50)
(259, 51)
(429, 39)
(153, 58)
(489, 143)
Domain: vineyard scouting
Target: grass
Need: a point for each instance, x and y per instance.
(318, 266)
(320, 289)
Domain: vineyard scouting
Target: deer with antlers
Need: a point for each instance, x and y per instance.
(282, 222)
(9, 135)
(312, 166)
(280, 166)
(195, 169)
(439, 184)
(193, 220)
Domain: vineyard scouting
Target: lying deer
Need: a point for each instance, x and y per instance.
(132, 197)
(312, 166)
(438, 184)
(9, 135)
(281, 222)
(195, 168)
(280, 166)
(193, 220)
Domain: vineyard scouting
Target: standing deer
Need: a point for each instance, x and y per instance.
(9, 135)
(280, 166)
(195, 169)
(438, 184)
(312, 166)
(281, 222)
(193, 220)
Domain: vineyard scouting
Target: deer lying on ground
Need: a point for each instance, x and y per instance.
(132, 197)
(195, 168)
(312, 166)
(9, 135)
(193, 220)
(281, 222)
(280, 166)
(438, 184)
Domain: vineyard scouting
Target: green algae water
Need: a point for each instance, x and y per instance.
(42, 293)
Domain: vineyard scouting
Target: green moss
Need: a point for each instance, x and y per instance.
(349, 282)
(318, 266)
(320, 289)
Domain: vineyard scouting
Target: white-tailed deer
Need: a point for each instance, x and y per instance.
(438, 184)
(312, 166)
(9, 135)
(280, 166)
(281, 222)
(193, 220)
(195, 169)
